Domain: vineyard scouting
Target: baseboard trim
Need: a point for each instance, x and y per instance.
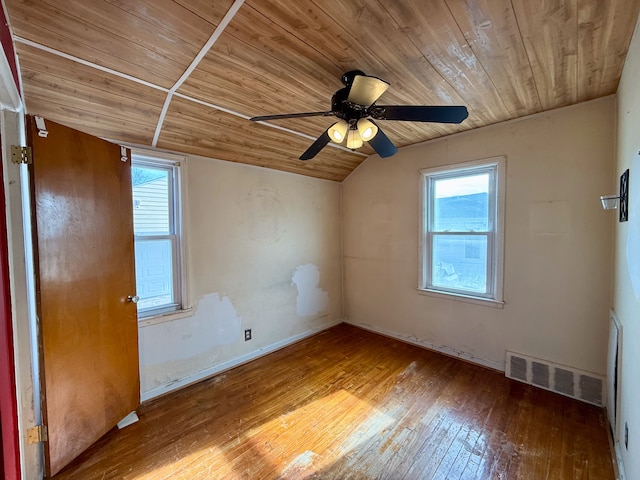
(618, 464)
(500, 366)
(229, 364)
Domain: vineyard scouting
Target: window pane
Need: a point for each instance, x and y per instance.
(154, 273)
(460, 262)
(151, 214)
(461, 204)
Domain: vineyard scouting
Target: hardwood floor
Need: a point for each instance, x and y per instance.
(347, 403)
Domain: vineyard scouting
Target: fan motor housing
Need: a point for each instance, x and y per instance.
(346, 110)
(348, 77)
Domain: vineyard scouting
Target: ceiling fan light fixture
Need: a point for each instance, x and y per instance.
(365, 90)
(353, 139)
(355, 108)
(338, 131)
(367, 129)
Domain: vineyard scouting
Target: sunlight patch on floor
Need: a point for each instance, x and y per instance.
(180, 468)
(294, 445)
(317, 430)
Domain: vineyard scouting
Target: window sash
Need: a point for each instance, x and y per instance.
(489, 270)
(469, 172)
(171, 189)
(175, 274)
(174, 235)
(493, 234)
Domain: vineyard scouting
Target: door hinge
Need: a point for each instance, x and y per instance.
(21, 155)
(37, 434)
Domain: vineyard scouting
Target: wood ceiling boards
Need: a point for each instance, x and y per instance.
(185, 75)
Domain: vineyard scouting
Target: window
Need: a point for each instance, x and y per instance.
(157, 230)
(461, 245)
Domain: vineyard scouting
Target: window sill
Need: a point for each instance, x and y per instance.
(485, 302)
(165, 317)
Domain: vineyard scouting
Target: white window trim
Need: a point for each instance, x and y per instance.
(497, 252)
(180, 196)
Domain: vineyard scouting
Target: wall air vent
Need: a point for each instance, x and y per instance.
(571, 382)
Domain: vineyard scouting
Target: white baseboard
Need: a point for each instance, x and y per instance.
(421, 343)
(234, 362)
(619, 465)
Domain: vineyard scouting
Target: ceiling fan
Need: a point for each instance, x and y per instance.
(355, 106)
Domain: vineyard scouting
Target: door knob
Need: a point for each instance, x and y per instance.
(133, 298)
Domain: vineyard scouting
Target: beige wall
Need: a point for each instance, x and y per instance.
(557, 268)
(626, 298)
(265, 254)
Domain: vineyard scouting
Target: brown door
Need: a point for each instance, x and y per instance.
(84, 274)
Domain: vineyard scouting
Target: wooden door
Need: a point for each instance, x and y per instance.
(81, 193)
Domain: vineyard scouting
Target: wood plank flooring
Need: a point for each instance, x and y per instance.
(348, 403)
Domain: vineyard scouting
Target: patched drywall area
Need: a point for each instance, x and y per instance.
(311, 300)
(626, 278)
(557, 242)
(264, 254)
(194, 340)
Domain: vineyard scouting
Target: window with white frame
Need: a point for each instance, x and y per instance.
(462, 220)
(157, 225)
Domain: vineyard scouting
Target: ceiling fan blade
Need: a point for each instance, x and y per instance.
(422, 113)
(316, 146)
(365, 90)
(290, 115)
(382, 145)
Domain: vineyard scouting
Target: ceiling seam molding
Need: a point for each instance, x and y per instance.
(272, 125)
(88, 64)
(194, 64)
(171, 91)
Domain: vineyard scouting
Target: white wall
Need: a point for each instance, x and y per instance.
(626, 298)
(557, 242)
(265, 254)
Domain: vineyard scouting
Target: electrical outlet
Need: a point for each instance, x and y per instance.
(626, 436)
(247, 335)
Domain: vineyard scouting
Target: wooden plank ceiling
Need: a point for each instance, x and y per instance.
(185, 75)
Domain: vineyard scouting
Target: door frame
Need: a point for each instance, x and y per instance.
(17, 231)
(8, 398)
(22, 300)
(9, 99)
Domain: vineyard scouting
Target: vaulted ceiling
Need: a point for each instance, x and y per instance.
(185, 75)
